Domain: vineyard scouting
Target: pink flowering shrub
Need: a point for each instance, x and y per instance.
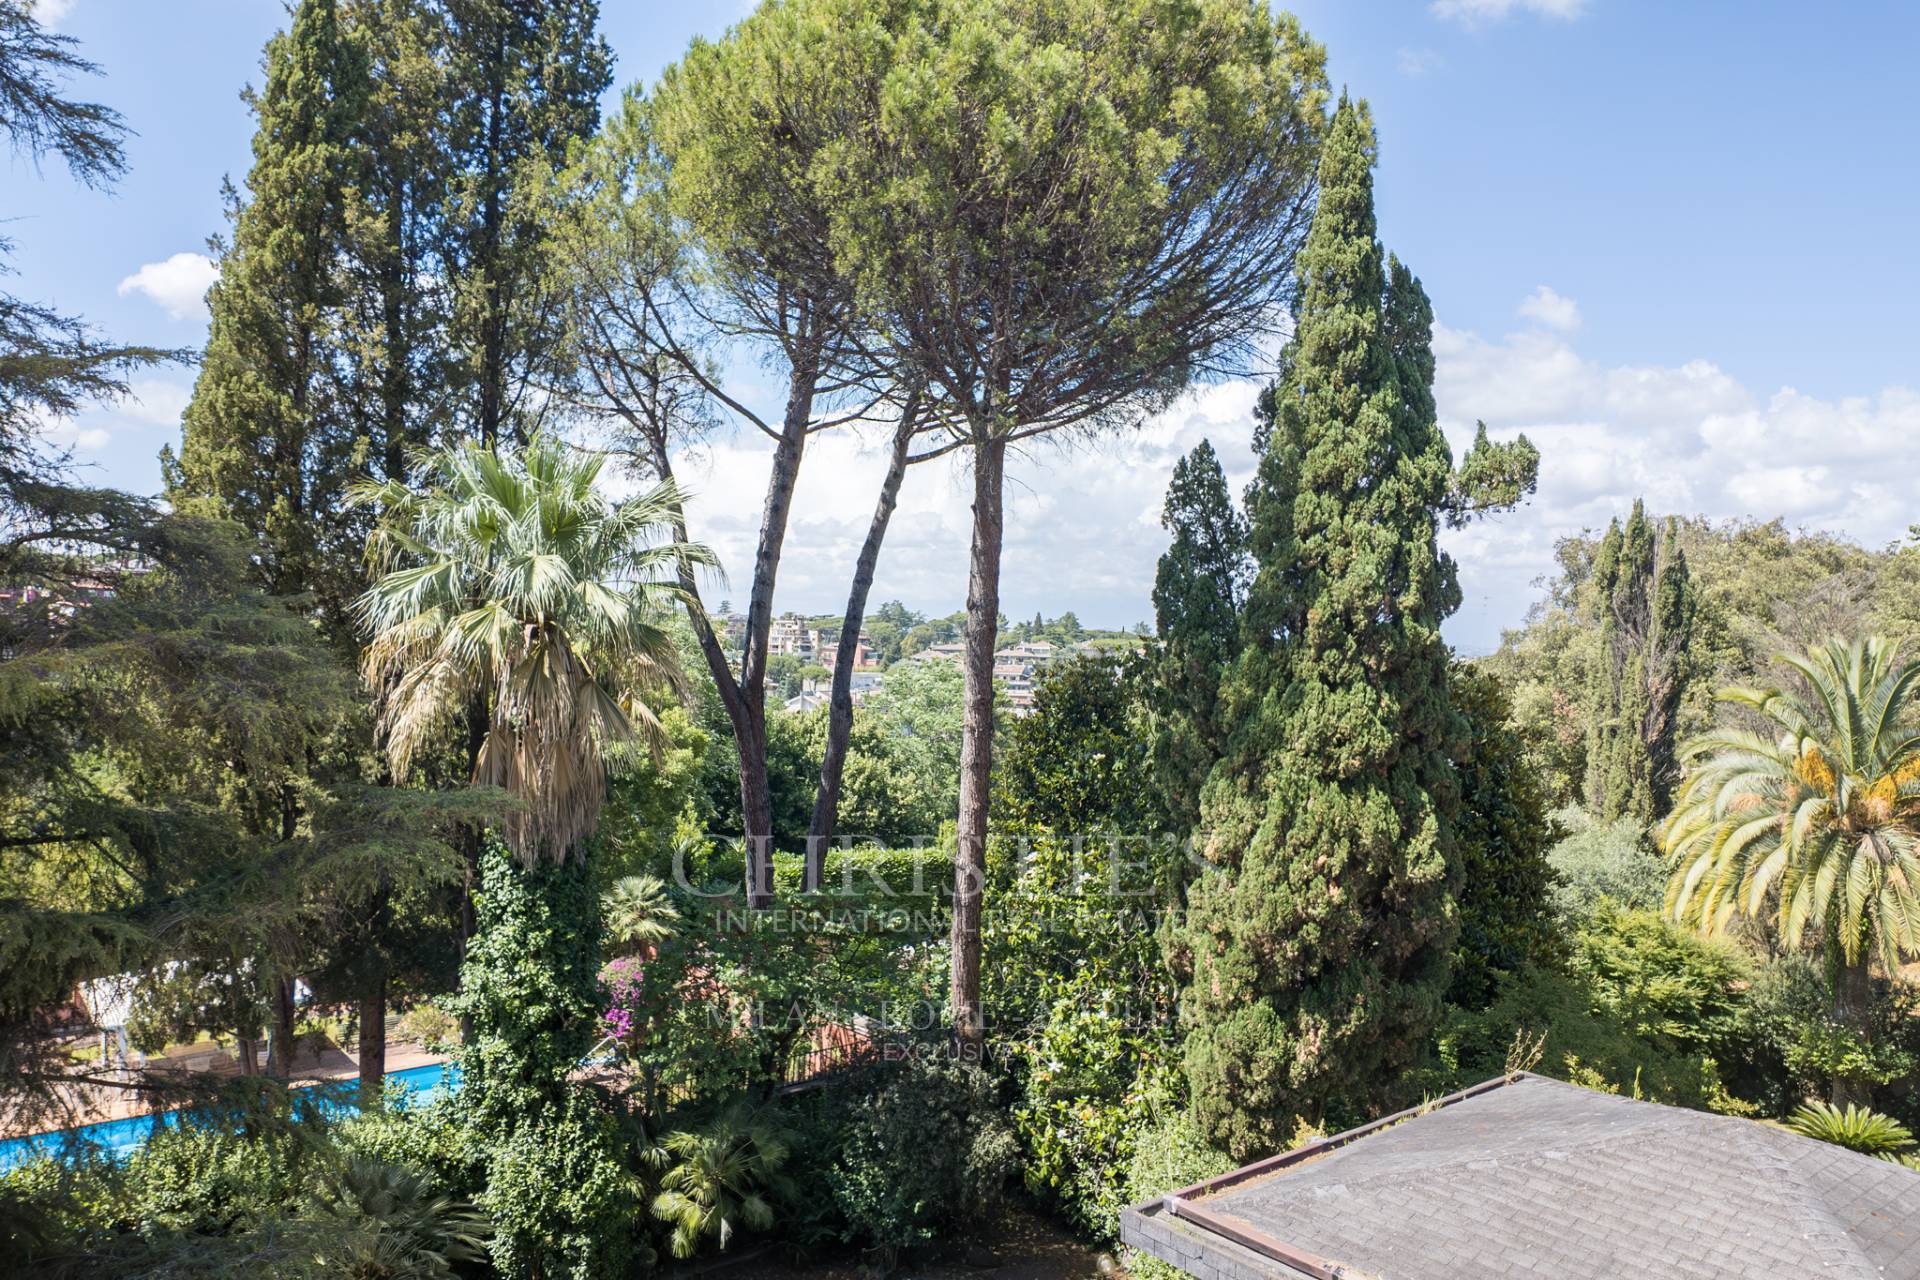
(622, 986)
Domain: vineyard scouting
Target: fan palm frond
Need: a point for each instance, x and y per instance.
(639, 913)
(392, 1221)
(718, 1177)
(512, 582)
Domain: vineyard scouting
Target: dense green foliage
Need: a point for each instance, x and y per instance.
(1274, 868)
(1198, 589)
(1077, 764)
(1759, 588)
(1504, 832)
(1646, 621)
(557, 1183)
(1084, 1010)
(926, 1153)
(1639, 1007)
(248, 1194)
(385, 243)
(185, 790)
(1317, 943)
(1613, 861)
(268, 442)
(519, 84)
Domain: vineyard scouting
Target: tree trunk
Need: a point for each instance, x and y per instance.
(373, 1036)
(492, 321)
(1853, 1007)
(249, 1055)
(976, 743)
(280, 1037)
(826, 802)
(756, 814)
(743, 691)
(479, 717)
(756, 795)
(373, 998)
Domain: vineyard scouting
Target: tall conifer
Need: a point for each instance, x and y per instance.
(1645, 604)
(1197, 592)
(1317, 940)
(524, 79)
(393, 355)
(266, 441)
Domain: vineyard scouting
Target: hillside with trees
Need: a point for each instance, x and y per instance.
(410, 866)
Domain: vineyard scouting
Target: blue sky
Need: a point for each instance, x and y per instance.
(1671, 242)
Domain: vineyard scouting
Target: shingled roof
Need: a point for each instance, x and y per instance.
(1528, 1177)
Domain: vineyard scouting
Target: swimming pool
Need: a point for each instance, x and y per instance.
(116, 1139)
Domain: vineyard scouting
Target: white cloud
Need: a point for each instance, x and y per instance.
(50, 13)
(179, 284)
(1475, 12)
(65, 433)
(155, 403)
(1687, 437)
(108, 432)
(1083, 529)
(1082, 522)
(1546, 307)
(1418, 62)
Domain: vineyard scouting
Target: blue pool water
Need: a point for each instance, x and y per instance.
(117, 1139)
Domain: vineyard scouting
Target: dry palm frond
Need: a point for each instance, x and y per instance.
(511, 583)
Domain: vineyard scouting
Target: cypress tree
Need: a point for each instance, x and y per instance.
(266, 442)
(1197, 593)
(1600, 678)
(1503, 834)
(393, 357)
(319, 366)
(524, 79)
(1675, 602)
(1317, 941)
(1645, 607)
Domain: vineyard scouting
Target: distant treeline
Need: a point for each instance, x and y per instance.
(1753, 590)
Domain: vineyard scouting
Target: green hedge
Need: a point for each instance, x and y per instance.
(873, 876)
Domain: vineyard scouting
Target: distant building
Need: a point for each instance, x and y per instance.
(827, 646)
(1020, 668)
(790, 635)
(949, 651)
(730, 627)
(816, 692)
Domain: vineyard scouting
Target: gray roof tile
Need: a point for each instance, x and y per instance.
(1543, 1179)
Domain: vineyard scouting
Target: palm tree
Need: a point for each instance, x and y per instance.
(639, 913)
(1813, 831)
(374, 1220)
(1856, 1128)
(719, 1177)
(519, 596)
